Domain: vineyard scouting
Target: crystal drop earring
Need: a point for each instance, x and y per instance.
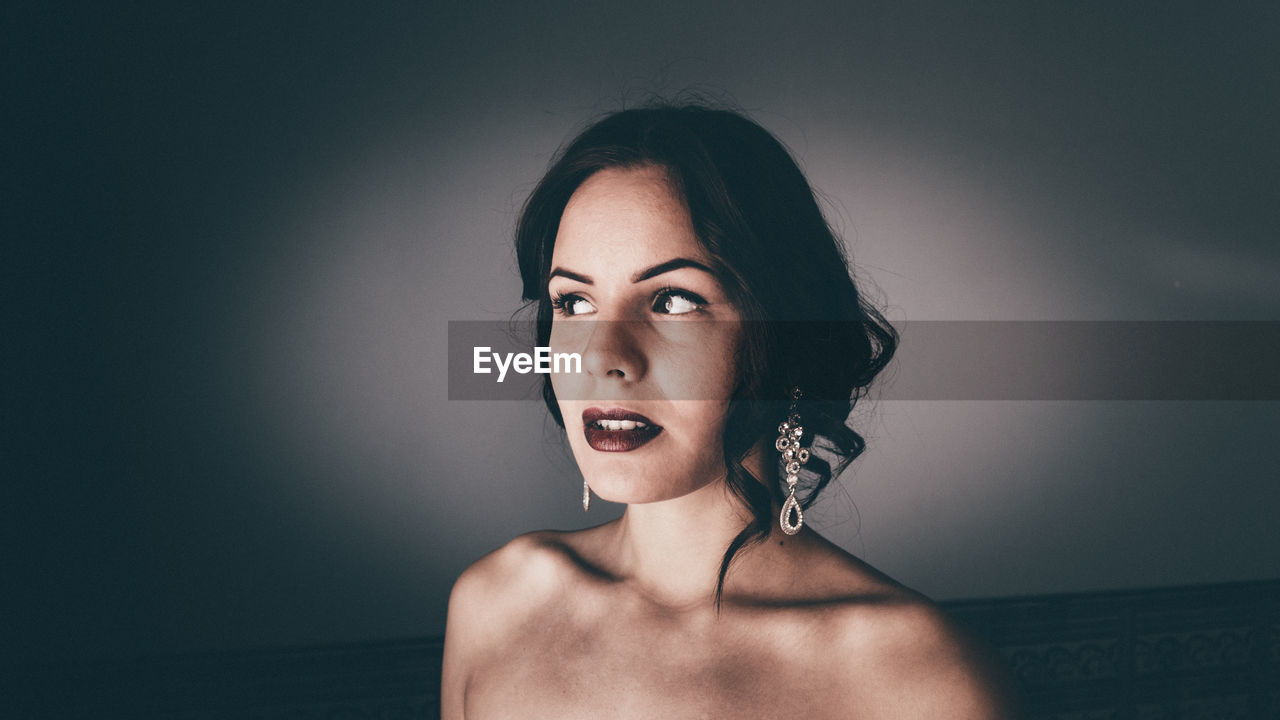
(790, 432)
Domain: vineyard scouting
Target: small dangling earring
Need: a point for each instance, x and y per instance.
(788, 443)
(586, 496)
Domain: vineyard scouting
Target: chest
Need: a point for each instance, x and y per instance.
(636, 669)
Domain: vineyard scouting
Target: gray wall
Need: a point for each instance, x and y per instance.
(234, 237)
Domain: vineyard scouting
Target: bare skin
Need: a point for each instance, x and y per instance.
(620, 620)
(580, 625)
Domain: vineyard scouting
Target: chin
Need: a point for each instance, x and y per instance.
(635, 488)
(625, 488)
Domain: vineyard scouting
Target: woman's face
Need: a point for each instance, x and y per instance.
(634, 295)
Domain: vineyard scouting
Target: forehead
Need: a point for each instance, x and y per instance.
(625, 217)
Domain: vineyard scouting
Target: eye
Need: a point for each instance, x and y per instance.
(677, 302)
(570, 304)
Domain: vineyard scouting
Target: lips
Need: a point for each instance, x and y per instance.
(617, 430)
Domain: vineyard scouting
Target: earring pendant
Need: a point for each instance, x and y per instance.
(788, 508)
(790, 433)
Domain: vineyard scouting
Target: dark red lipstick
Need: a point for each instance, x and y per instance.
(617, 430)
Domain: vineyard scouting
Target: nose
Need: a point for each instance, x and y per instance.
(614, 350)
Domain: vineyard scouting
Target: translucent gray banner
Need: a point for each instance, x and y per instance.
(958, 360)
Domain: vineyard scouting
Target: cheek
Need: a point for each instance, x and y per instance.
(568, 386)
(701, 377)
(570, 411)
(704, 371)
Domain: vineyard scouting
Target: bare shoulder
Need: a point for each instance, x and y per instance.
(497, 597)
(526, 560)
(507, 587)
(924, 665)
(500, 587)
(914, 661)
(894, 653)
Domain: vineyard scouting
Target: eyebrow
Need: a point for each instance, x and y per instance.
(647, 273)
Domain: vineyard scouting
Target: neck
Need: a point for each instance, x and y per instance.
(671, 551)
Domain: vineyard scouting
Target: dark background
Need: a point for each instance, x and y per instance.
(233, 237)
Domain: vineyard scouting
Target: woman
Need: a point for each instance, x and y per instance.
(681, 253)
